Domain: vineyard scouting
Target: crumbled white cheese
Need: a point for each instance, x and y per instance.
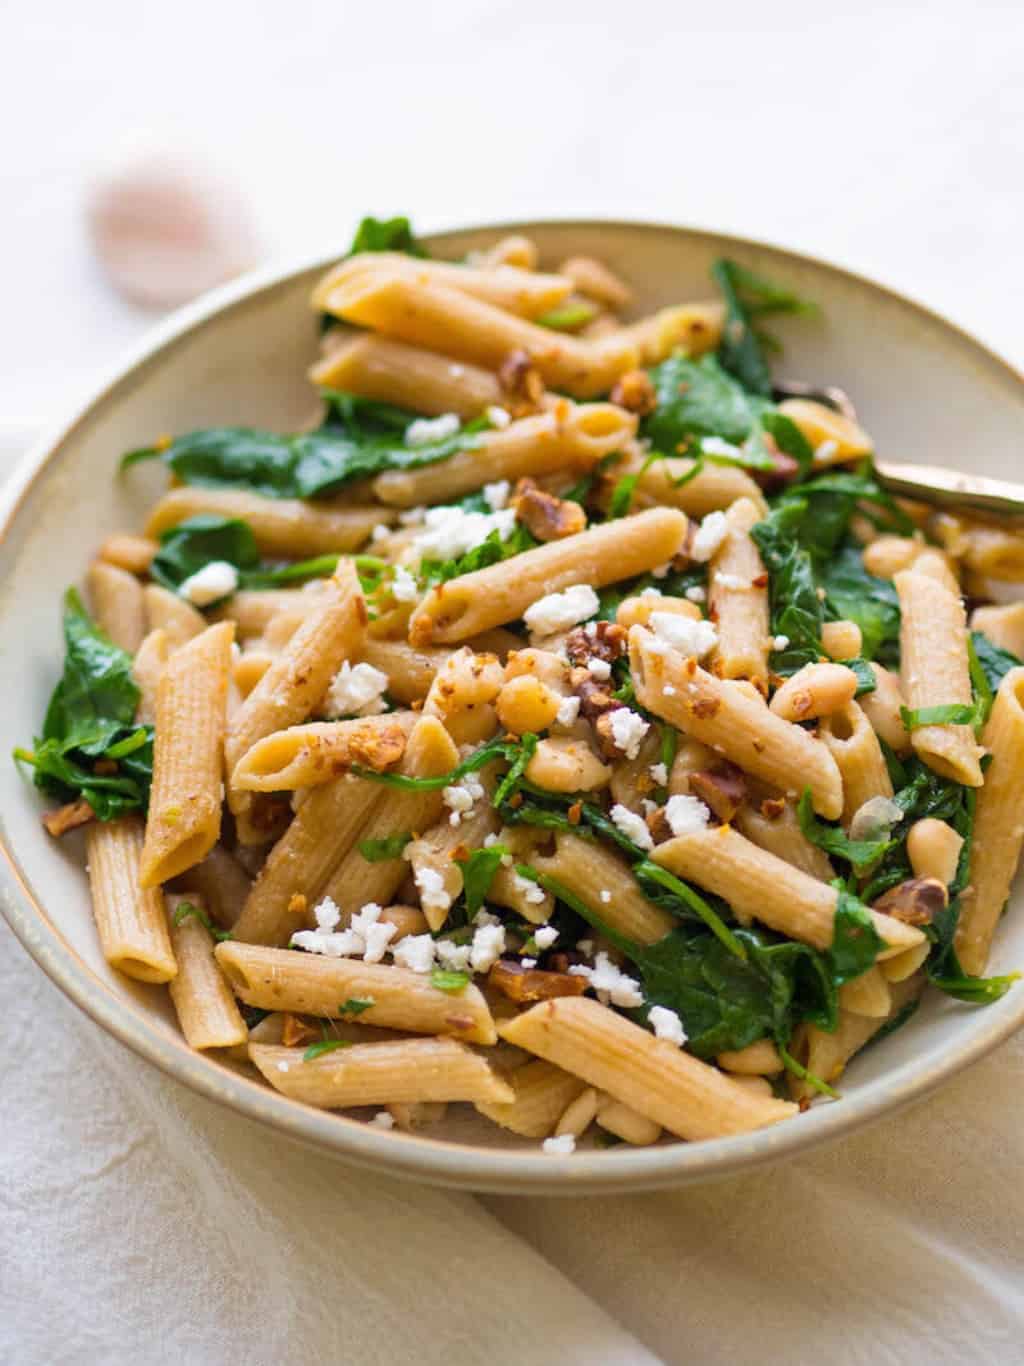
(780, 642)
(454, 957)
(628, 730)
(659, 773)
(652, 593)
(714, 445)
(666, 1024)
(456, 371)
(731, 581)
(491, 839)
(283, 1066)
(380, 533)
(487, 947)
(366, 936)
(696, 593)
(559, 611)
(356, 690)
(825, 451)
(606, 896)
(415, 952)
(430, 885)
(612, 985)
(423, 430)
(531, 892)
(460, 797)
(599, 669)
(586, 947)
(668, 690)
(632, 826)
(484, 917)
(545, 936)
(528, 962)
(568, 711)
(383, 1120)
(648, 806)
(496, 494)
(327, 914)
(413, 516)
(215, 580)
(875, 818)
(404, 587)
(452, 531)
(340, 944)
(562, 1146)
(686, 814)
(377, 934)
(497, 416)
(684, 634)
(710, 535)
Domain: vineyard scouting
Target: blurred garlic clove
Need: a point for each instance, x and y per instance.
(165, 230)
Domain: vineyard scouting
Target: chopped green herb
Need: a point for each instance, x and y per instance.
(448, 981)
(355, 1005)
(954, 713)
(748, 296)
(380, 851)
(568, 317)
(478, 871)
(322, 1046)
(185, 909)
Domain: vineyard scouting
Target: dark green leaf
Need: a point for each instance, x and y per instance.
(491, 551)
(380, 851)
(978, 991)
(322, 1046)
(385, 234)
(197, 542)
(355, 1005)
(698, 398)
(748, 296)
(953, 713)
(856, 943)
(478, 871)
(648, 873)
(855, 595)
(860, 854)
(186, 909)
(448, 981)
(994, 662)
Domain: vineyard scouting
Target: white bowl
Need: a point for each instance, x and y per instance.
(927, 392)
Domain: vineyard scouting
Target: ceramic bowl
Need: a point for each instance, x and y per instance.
(927, 392)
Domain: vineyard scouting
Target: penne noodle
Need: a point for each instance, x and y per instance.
(203, 1002)
(541, 1093)
(848, 737)
(134, 553)
(311, 984)
(407, 376)
(781, 835)
(462, 607)
(833, 436)
(826, 1055)
(253, 609)
(934, 672)
(1002, 625)
(693, 328)
(166, 612)
(759, 885)
(652, 1077)
(592, 278)
(738, 599)
(116, 600)
(514, 250)
(130, 919)
(304, 756)
(883, 707)
(221, 884)
(183, 823)
(867, 994)
(147, 666)
(994, 552)
(436, 848)
(602, 880)
(715, 486)
(410, 669)
(290, 527)
(720, 714)
(405, 1071)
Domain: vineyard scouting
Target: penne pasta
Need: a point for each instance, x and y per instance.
(130, 919)
(304, 756)
(847, 735)
(673, 483)
(166, 612)
(1002, 625)
(781, 835)
(738, 599)
(133, 553)
(116, 599)
(221, 884)
(541, 1093)
(390, 372)
(147, 666)
(692, 328)
(203, 1002)
(602, 880)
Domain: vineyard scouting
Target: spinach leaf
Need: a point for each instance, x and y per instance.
(797, 613)
(446, 980)
(191, 545)
(493, 550)
(355, 1005)
(699, 398)
(994, 662)
(746, 297)
(952, 713)
(322, 1046)
(855, 941)
(852, 594)
(90, 720)
(498, 748)
(568, 317)
(385, 234)
(860, 854)
(478, 870)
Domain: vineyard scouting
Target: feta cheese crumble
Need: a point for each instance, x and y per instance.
(568, 711)
(496, 494)
(684, 634)
(545, 936)
(404, 587)
(825, 451)
(599, 669)
(666, 1024)
(487, 947)
(612, 985)
(562, 1146)
(632, 826)
(731, 581)
(659, 773)
(710, 535)
(531, 892)
(780, 642)
(454, 957)
(686, 815)
(452, 531)
(695, 593)
(497, 416)
(460, 798)
(215, 580)
(366, 936)
(715, 445)
(430, 885)
(415, 952)
(383, 1120)
(356, 691)
(628, 730)
(423, 430)
(559, 611)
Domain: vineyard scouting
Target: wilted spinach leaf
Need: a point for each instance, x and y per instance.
(699, 398)
(748, 296)
(385, 234)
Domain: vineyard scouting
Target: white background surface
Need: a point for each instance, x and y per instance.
(140, 1224)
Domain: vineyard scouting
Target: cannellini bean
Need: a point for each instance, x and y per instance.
(567, 765)
(757, 1059)
(578, 1116)
(933, 848)
(527, 704)
(625, 1123)
(814, 690)
(889, 554)
(842, 639)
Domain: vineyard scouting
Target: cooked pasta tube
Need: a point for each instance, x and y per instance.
(833, 436)
(147, 667)
(528, 293)
(760, 885)
(593, 278)
(572, 436)
(410, 670)
(299, 676)
(849, 738)
(760, 1059)
(541, 1094)
(292, 527)
(653, 1077)
(253, 609)
(222, 885)
(668, 483)
(116, 600)
(409, 377)
(311, 984)
(203, 1002)
(626, 1123)
(434, 853)
(826, 1054)
(355, 881)
(867, 994)
(130, 919)
(695, 328)
(304, 756)
(1003, 625)
(781, 835)
(298, 866)
(720, 714)
(247, 670)
(403, 1071)
(883, 708)
(994, 552)
(134, 553)
(446, 320)
(602, 880)
(488, 597)
(934, 672)
(183, 823)
(998, 826)
(738, 598)
(165, 611)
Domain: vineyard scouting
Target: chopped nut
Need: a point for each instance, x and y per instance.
(607, 641)
(375, 746)
(105, 768)
(723, 789)
(635, 392)
(521, 382)
(657, 824)
(533, 984)
(773, 807)
(917, 901)
(574, 813)
(706, 707)
(68, 817)
(546, 517)
(296, 1030)
(297, 904)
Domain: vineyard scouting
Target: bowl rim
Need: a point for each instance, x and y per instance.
(417, 1157)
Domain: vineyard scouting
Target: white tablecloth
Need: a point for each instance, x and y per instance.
(140, 1223)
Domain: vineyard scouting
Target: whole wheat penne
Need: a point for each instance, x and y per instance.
(185, 801)
(221, 883)
(883, 708)
(311, 984)
(410, 669)
(246, 671)
(781, 835)
(528, 293)
(147, 667)
(134, 553)
(407, 376)
(653, 1077)
(934, 672)
(760, 885)
(116, 600)
(994, 552)
(304, 756)
(671, 483)
(488, 597)
(825, 1054)
(720, 714)
(603, 881)
(867, 994)
(282, 526)
(593, 278)
(165, 611)
(404, 1071)
(832, 435)
(847, 735)
(693, 328)
(738, 598)
(998, 826)
(444, 319)
(541, 1094)
(203, 1002)
(130, 920)
(569, 437)
(253, 609)
(436, 847)
(513, 250)
(1003, 625)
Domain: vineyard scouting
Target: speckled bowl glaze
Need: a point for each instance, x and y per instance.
(927, 391)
